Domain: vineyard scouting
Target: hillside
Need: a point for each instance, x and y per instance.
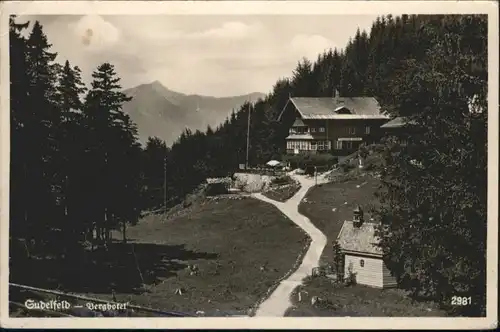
(164, 113)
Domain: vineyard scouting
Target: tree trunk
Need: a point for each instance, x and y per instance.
(106, 226)
(28, 254)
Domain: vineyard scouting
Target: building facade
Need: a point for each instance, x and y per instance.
(362, 257)
(337, 125)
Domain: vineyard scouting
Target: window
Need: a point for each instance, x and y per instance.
(348, 145)
(303, 145)
(338, 145)
(361, 262)
(351, 130)
(321, 129)
(324, 145)
(314, 145)
(367, 130)
(313, 130)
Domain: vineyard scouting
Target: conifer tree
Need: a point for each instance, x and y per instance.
(110, 144)
(20, 116)
(303, 85)
(41, 172)
(155, 155)
(69, 133)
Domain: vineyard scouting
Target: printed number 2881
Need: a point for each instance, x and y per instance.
(461, 300)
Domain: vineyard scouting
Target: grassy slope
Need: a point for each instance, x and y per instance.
(358, 301)
(320, 202)
(229, 240)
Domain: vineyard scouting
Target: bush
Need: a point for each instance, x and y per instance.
(305, 160)
(369, 167)
(363, 151)
(350, 280)
(338, 261)
(346, 166)
(281, 180)
(377, 148)
(310, 170)
(214, 189)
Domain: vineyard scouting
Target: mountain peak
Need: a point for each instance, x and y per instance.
(156, 82)
(159, 111)
(158, 85)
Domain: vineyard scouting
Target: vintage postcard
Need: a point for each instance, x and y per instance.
(249, 164)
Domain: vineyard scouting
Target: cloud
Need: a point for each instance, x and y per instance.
(310, 46)
(204, 54)
(95, 33)
(230, 30)
(164, 32)
(250, 61)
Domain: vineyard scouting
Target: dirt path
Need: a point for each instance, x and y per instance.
(279, 301)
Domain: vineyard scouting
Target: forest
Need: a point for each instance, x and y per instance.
(77, 169)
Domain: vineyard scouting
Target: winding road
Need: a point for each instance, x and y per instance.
(279, 301)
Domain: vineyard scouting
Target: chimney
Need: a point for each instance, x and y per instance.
(358, 217)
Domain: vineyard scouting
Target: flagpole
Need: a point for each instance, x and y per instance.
(248, 134)
(165, 182)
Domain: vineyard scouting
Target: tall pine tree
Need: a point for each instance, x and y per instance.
(110, 150)
(42, 210)
(69, 134)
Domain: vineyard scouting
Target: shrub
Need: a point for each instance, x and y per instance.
(351, 276)
(214, 189)
(377, 148)
(346, 166)
(280, 180)
(310, 170)
(305, 160)
(369, 167)
(325, 159)
(338, 261)
(363, 151)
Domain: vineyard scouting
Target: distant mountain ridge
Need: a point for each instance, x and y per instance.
(159, 111)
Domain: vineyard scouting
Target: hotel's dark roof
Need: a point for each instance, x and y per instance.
(328, 108)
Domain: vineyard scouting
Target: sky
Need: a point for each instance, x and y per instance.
(213, 55)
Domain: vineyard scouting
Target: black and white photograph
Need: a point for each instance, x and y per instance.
(249, 160)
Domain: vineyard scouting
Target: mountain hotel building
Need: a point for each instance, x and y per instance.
(338, 125)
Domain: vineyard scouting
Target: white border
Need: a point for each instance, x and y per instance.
(258, 8)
